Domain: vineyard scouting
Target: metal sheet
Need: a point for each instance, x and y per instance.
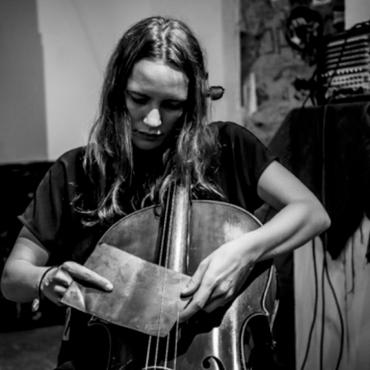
(145, 298)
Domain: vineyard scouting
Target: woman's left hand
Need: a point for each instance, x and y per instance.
(217, 279)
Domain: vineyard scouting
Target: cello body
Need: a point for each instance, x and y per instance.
(235, 337)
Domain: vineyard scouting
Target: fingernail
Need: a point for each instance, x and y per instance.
(109, 286)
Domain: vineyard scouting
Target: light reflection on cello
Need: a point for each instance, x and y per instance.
(233, 337)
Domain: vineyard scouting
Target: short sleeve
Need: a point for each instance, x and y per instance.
(50, 214)
(243, 160)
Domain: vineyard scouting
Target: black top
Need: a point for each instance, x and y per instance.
(53, 220)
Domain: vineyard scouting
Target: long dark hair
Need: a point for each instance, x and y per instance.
(109, 157)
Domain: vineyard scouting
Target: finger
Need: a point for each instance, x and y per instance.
(216, 303)
(55, 287)
(223, 290)
(86, 276)
(220, 296)
(195, 281)
(59, 290)
(60, 277)
(191, 309)
(197, 303)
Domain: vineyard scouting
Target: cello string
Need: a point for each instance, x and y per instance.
(176, 338)
(167, 225)
(158, 337)
(176, 331)
(177, 327)
(172, 199)
(167, 349)
(150, 337)
(148, 351)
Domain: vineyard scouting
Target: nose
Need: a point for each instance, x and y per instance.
(153, 118)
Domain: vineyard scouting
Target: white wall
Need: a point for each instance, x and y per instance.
(356, 11)
(79, 35)
(22, 108)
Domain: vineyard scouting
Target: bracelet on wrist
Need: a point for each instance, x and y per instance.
(40, 296)
(36, 302)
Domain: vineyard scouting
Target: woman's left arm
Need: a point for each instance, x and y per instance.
(300, 217)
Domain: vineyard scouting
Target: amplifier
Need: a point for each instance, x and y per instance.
(344, 65)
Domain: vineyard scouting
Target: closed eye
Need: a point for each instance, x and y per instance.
(138, 98)
(173, 104)
(168, 104)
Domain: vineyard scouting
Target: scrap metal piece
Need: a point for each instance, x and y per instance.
(145, 297)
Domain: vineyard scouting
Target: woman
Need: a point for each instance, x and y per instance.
(152, 129)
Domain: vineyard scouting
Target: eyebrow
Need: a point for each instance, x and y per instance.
(143, 95)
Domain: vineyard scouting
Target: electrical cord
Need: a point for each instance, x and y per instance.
(323, 304)
(340, 353)
(314, 316)
(325, 271)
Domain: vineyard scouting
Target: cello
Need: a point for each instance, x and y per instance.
(234, 337)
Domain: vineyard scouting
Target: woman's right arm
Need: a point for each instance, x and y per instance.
(26, 266)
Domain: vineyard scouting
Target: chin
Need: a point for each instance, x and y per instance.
(146, 145)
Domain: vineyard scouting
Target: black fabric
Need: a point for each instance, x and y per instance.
(51, 216)
(328, 148)
(18, 184)
(243, 159)
(52, 219)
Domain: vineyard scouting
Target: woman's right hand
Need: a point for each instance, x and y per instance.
(56, 281)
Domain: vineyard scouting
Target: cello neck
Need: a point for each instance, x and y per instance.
(175, 241)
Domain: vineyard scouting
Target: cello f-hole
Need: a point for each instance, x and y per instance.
(207, 362)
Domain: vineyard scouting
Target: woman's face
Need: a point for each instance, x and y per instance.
(156, 96)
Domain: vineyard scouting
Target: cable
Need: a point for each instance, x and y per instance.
(340, 318)
(324, 261)
(325, 271)
(314, 308)
(322, 331)
(311, 93)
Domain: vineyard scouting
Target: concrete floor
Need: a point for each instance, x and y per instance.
(34, 349)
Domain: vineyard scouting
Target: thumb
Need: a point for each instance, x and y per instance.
(195, 281)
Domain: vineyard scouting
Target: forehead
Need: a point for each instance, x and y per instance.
(155, 76)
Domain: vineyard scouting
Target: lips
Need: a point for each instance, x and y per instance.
(149, 135)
